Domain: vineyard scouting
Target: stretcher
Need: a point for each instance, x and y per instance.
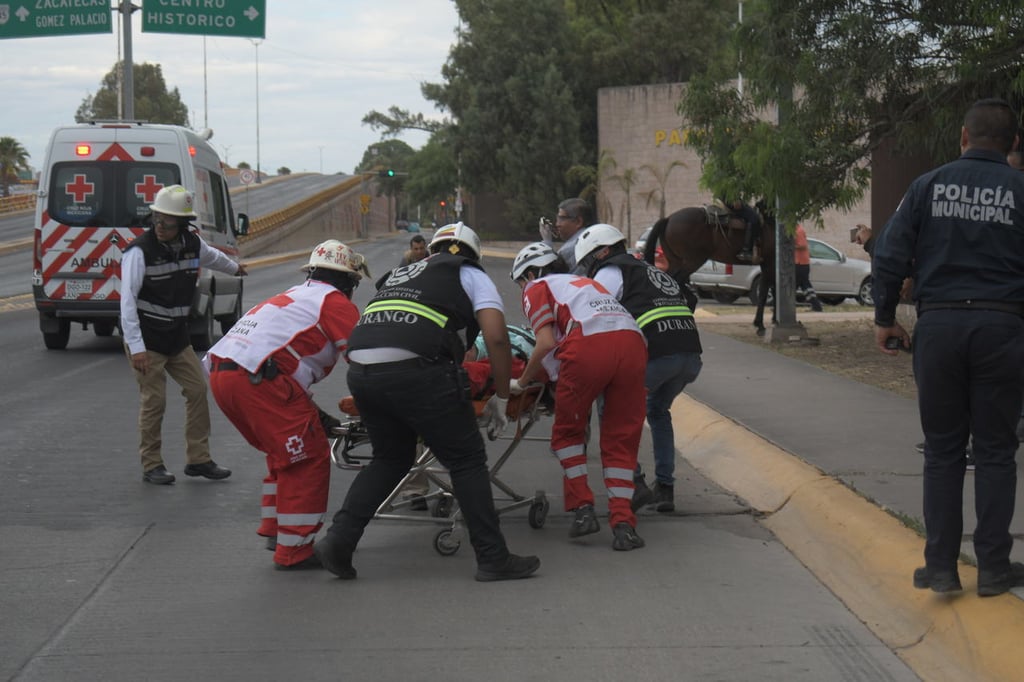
(351, 450)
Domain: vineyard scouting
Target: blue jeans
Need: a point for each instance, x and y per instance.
(666, 378)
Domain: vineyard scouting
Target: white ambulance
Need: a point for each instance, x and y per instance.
(97, 182)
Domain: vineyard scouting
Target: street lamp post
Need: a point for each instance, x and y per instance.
(259, 177)
(321, 148)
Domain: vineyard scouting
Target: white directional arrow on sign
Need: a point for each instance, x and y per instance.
(251, 13)
(22, 13)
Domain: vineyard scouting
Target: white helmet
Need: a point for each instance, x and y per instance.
(535, 255)
(594, 237)
(333, 255)
(174, 200)
(456, 232)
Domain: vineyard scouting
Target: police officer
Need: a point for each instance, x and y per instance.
(959, 231)
(159, 271)
(664, 312)
(406, 377)
(752, 220)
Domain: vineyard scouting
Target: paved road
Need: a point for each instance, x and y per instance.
(106, 578)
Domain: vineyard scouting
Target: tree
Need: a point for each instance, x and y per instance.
(661, 178)
(13, 158)
(284, 170)
(244, 165)
(863, 74)
(153, 102)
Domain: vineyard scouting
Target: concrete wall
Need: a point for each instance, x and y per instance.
(638, 126)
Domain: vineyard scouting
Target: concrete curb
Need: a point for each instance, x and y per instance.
(860, 552)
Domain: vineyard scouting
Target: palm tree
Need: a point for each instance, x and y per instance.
(590, 177)
(626, 180)
(13, 158)
(661, 177)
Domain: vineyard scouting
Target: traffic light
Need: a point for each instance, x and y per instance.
(389, 173)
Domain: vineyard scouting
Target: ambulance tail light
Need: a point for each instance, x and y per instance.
(37, 251)
(191, 150)
(83, 150)
(147, 151)
(728, 268)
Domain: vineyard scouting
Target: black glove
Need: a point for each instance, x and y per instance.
(327, 421)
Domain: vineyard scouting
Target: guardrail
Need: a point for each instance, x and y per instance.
(18, 202)
(273, 220)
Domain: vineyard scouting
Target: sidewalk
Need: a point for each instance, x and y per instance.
(831, 463)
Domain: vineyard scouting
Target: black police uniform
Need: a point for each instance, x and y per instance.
(959, 231)
(419, 308)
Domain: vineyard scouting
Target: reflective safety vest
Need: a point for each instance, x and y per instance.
(655, 299)
(420, 307)
(165, 298)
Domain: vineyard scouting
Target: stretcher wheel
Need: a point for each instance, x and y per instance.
(445, 543)
(442, 507)
(539, 511)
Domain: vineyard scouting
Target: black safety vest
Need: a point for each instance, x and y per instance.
(655, 299)
(420, 307)
(168, 287)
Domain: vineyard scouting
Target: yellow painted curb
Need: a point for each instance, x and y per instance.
(861, 553)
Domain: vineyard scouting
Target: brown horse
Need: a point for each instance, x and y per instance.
(691, 236)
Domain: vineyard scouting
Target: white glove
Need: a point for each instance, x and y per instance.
(547, 229)
(494, 417)
(515, 388)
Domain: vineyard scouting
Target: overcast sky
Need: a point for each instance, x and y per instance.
(323, 65)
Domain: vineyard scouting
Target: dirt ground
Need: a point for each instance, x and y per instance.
(846, 348)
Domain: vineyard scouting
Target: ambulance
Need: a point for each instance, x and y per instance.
(96, 184)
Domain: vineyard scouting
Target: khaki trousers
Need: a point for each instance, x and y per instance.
(186, 371)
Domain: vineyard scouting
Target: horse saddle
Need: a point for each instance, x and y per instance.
(722, 217)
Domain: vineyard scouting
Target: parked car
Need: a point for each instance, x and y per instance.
(641, 241)
(834, 276)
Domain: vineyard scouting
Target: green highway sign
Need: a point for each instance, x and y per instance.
(237, 18)
(42, 18)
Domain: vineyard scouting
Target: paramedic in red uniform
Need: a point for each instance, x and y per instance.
(405, 374)
(159, 270)
(591, 345)
(261, 373)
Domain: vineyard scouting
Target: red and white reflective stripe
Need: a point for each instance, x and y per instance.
(96, 251)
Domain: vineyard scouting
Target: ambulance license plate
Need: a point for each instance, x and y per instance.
(74, 288)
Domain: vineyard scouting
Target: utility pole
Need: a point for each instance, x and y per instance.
(128, 79)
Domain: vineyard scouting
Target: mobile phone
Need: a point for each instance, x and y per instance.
(893, 343)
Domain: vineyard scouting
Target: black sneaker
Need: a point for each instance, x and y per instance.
(626, 538)
(664, 497)
(158, 475)
(207, 470)
(512, 568)
(920, 448)
(937, 581)
(336, 561)
(642, 495)
(991, 584)
(312, 562)
(585, 522)
(271, 543)
(745, 255)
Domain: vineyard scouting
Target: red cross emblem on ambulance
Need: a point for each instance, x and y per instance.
(79, 188)
(147, 189)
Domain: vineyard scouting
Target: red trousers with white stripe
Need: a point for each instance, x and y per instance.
(278, 418)
(612, 363)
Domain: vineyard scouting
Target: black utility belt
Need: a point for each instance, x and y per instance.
(268, 370)
(997, 306)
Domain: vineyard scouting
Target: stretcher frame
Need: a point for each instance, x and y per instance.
(523, 412)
